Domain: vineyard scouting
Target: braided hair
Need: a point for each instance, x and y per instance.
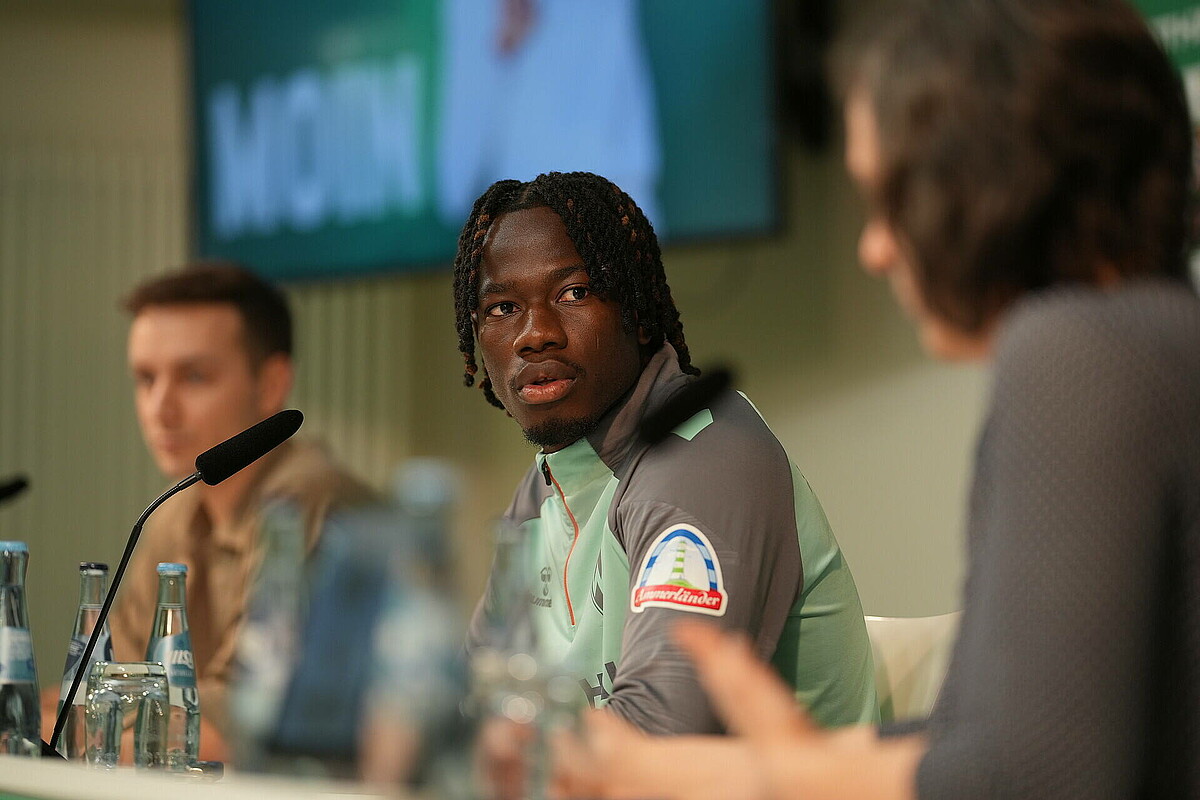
(611, 234)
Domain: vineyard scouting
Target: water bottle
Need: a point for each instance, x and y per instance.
(93, 582)
(267, 644)
(426, 490)
(171, 644)
(511, 677)
(20, 711)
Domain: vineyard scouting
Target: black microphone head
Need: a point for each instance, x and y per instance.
(13, 487)
(235, 454)
(689, 401)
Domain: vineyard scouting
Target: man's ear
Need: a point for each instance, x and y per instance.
(642, 337)
(275, 378)
(475, 323)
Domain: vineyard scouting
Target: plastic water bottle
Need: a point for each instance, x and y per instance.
(267, 644)
(93, 582)
(20, 711)
(171, 644)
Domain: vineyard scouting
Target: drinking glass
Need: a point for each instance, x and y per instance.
(124, 694)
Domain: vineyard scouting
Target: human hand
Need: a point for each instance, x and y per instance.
(49, 707)
(388, 750)
(501, 756)
(212, 744)
(774, 750)
(614, 760)
(747, 694)
(797, 759)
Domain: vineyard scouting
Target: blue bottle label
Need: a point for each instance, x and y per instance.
(175, 653)
(16, 656)
(102, 652)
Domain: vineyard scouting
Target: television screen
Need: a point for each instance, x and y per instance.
(1177, 25)
(334, 138)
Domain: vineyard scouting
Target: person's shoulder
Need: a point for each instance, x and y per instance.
(1126, 358)
(731, 420)
(728, 444)
(1142, 324)
(306, 469)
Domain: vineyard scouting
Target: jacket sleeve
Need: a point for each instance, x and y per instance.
(708, 538)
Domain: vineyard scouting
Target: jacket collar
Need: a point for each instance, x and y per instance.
(615, 440)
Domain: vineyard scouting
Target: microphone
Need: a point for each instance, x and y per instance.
(690, 400)
(212, 466)
(13, 487)
(233, 455)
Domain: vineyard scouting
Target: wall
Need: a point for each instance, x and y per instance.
(93, 196)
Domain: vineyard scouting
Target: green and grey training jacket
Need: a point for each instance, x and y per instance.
(713, 522)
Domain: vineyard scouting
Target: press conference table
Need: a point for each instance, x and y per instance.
(48, 779)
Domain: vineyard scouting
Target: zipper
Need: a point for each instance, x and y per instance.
(566, 591)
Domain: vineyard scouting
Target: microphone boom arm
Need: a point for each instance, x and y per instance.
(86, 660)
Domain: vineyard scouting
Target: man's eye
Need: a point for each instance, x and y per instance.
(575, 293)
(501, 309)
(195, 376)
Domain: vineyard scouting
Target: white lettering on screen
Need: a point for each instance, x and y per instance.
(316, 148)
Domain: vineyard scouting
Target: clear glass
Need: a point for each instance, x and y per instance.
(511, 677)
(170, 644)
(127, 694)
(20, 711)
(93, 582)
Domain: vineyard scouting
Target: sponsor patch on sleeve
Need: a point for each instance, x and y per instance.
(680, 571)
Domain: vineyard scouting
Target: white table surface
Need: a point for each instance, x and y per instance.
(49, 779)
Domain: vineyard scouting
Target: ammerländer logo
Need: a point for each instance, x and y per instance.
(681, 571)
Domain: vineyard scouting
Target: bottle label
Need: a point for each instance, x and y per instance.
(175, 653)
(16, 656)
(102, 652)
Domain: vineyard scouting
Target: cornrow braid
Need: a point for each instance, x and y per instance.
(611, 234)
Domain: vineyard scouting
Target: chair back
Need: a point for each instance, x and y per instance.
(911, 656)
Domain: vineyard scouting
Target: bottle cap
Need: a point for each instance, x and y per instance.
(13, 547)
(171, 568)
(86, 566)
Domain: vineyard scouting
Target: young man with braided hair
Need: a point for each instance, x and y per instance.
(559, 285)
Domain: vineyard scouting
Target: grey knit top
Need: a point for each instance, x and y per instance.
(1077, 670)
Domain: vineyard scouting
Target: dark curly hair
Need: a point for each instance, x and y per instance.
(1024, 143)
(613, 237)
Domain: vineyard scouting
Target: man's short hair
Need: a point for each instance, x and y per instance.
(266, 319)
(1023, 144)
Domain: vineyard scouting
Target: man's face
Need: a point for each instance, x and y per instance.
(557, 353)
(194, 385)
(881, 249)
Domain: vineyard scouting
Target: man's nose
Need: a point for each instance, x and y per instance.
(542, 329)
(165, 405)
(876, 248)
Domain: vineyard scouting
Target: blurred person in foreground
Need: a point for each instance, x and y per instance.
(560, 289)
(210, 353)
(1027, 169)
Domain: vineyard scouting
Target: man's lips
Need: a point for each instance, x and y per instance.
(538, 393)
(544, 383)
(170, 445)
